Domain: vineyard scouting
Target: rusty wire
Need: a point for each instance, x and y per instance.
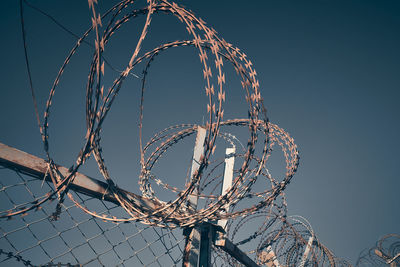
(213, 51)
(277, 237)
(386, 252)
(290, 240)
(76, 238)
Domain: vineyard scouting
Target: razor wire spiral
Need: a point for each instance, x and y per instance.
(292, 242)
(213, 52)
(386, 252)
(280, 241)
(76, 238)
(289, 240)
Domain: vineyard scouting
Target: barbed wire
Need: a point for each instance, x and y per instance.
(76, 238)
(292, 242)
(277, 238)
(386, 252)
(100, 100)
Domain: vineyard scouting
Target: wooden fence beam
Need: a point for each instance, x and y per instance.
(36, 167)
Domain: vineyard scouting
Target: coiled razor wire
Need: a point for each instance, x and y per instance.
(76, 238)
(386, 252)
(276, 239)
(292, 242)
(213, 51)
(282, 241)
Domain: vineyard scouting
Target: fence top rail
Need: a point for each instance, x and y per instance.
(36, 167)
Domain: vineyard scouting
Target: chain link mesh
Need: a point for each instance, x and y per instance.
(75, 238)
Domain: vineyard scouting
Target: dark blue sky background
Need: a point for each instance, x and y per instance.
(329, 75)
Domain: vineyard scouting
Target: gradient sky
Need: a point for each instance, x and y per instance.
(329, 74)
